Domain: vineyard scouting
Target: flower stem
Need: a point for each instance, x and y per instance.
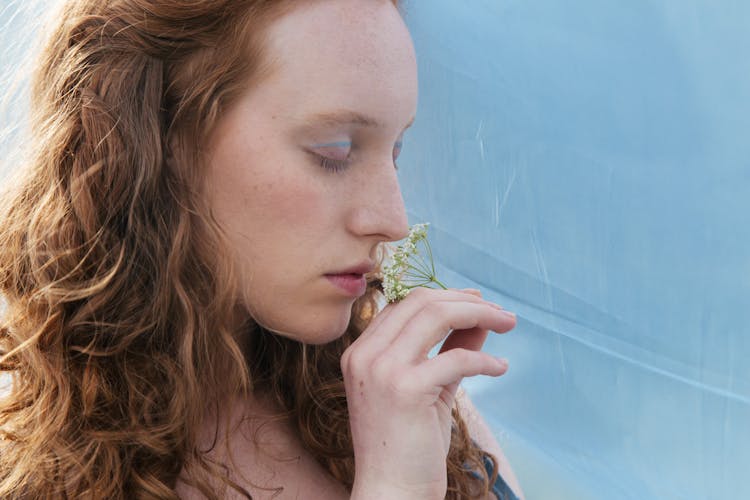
(438, 282)
(410, 269)
(432, 262)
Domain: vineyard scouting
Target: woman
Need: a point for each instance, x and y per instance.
(182, 265)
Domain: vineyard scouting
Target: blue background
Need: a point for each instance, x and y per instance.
(586, 165)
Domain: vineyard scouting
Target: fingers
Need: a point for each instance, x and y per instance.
(472, 338)
(381, 315)
(389, 307)
(450, 367)
(436, 319)
(387, 325)
(395, 394)
(404, 332)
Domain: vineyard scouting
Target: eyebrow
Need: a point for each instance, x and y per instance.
(345, 117)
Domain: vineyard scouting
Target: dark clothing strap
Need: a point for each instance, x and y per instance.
(501, 489)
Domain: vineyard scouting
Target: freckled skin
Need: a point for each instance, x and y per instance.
(289, 221)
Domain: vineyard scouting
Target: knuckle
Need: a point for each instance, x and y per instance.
(381, 369)
(414, 382)
(419, 294)
(435, 311)
(401, 384)
(345, 360)
(462, 355)
(356, 362)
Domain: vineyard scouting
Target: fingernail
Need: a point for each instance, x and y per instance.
(502, 362)
(472, 290)
(508, 314)
(492, 304)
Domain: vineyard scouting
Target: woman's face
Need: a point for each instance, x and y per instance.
(302, 174)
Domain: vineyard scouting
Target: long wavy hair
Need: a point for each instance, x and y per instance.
(116, 280)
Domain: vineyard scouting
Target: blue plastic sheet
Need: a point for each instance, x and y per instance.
(587, 165)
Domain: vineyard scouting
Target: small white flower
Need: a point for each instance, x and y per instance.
(407, 269)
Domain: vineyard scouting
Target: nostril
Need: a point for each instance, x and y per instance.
(381, 210)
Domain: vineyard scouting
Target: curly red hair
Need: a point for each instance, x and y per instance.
(113, 273)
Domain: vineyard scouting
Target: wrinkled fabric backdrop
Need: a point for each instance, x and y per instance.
(587, 165)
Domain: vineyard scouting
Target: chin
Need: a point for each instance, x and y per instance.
(326, 335)
(315, 332)
(325, 328)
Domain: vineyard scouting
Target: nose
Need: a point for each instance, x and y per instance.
(380, 210)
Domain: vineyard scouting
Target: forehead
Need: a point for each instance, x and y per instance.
(342, 54)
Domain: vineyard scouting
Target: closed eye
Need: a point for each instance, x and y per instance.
(336, 166)
(396, 152)
(331, 164)
(339, 165)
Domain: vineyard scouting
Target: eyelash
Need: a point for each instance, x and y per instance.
(334, 166)
(337, 166)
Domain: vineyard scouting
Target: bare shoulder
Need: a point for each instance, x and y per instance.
(288, 476)
(269, 461)
(306, 481)
(484, 436)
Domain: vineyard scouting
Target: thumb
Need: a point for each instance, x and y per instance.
(470, 338)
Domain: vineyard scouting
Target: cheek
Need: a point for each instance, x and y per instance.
(287, 224)
(296, 201)
(275, 224)
(260, 198)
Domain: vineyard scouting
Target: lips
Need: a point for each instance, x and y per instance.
(351, 279)
(358, 269)
(352, 284)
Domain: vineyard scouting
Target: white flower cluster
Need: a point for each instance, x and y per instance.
(407, 269)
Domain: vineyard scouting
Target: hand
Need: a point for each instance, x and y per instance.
(400, 401)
